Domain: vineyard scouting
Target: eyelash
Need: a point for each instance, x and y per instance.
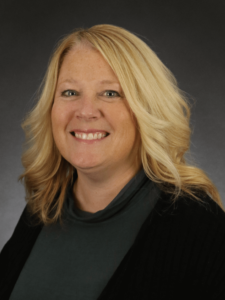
(63, 93)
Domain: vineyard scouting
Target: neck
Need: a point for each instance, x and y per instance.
(93, 193)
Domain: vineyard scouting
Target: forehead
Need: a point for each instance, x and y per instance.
(87, 63)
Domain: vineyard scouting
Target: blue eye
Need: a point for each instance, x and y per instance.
(68, 93)
(111, 92)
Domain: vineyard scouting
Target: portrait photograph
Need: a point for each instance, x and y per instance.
(112, 150)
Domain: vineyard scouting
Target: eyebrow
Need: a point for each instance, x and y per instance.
(108, 81)
(101, 82)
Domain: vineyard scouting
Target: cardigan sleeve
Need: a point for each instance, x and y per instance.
(209, 262)
(217, 274)
(15, 253)
(7, 249)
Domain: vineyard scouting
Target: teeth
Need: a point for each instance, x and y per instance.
(90, 136)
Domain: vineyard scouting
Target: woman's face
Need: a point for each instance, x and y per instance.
(89, 98)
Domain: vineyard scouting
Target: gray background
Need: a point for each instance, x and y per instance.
(188, 36)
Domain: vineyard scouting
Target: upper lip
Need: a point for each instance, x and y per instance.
(88, 130)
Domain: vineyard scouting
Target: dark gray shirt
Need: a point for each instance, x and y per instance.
(76, 260)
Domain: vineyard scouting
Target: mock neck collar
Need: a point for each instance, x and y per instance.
(126, 197)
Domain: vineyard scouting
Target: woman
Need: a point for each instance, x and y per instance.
(113, 210)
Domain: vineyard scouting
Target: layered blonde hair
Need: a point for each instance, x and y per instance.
(161, 109)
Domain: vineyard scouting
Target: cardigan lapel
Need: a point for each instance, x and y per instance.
(15, 253)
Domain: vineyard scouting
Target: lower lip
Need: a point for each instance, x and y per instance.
(89, 141)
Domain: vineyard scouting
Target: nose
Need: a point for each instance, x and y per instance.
(87, 108)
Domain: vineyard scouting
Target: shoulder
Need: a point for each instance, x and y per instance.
(188, 212)
(208, 209)
(187, 240)
(24, 232)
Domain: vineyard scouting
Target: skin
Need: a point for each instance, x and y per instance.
(104, 167)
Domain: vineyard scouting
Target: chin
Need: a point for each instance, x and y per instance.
(84, 164)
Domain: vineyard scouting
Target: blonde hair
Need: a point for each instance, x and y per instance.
(161, 109)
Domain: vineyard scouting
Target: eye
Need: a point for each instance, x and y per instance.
(68, 93)
(112, 92)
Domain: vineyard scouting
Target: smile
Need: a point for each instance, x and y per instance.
(90, 137)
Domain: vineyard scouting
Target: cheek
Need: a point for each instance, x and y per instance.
(129, 124)
(125, 127)
(58, 120)
(131, 132)
(58, 117)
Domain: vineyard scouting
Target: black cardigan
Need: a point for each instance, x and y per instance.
(179, 253)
